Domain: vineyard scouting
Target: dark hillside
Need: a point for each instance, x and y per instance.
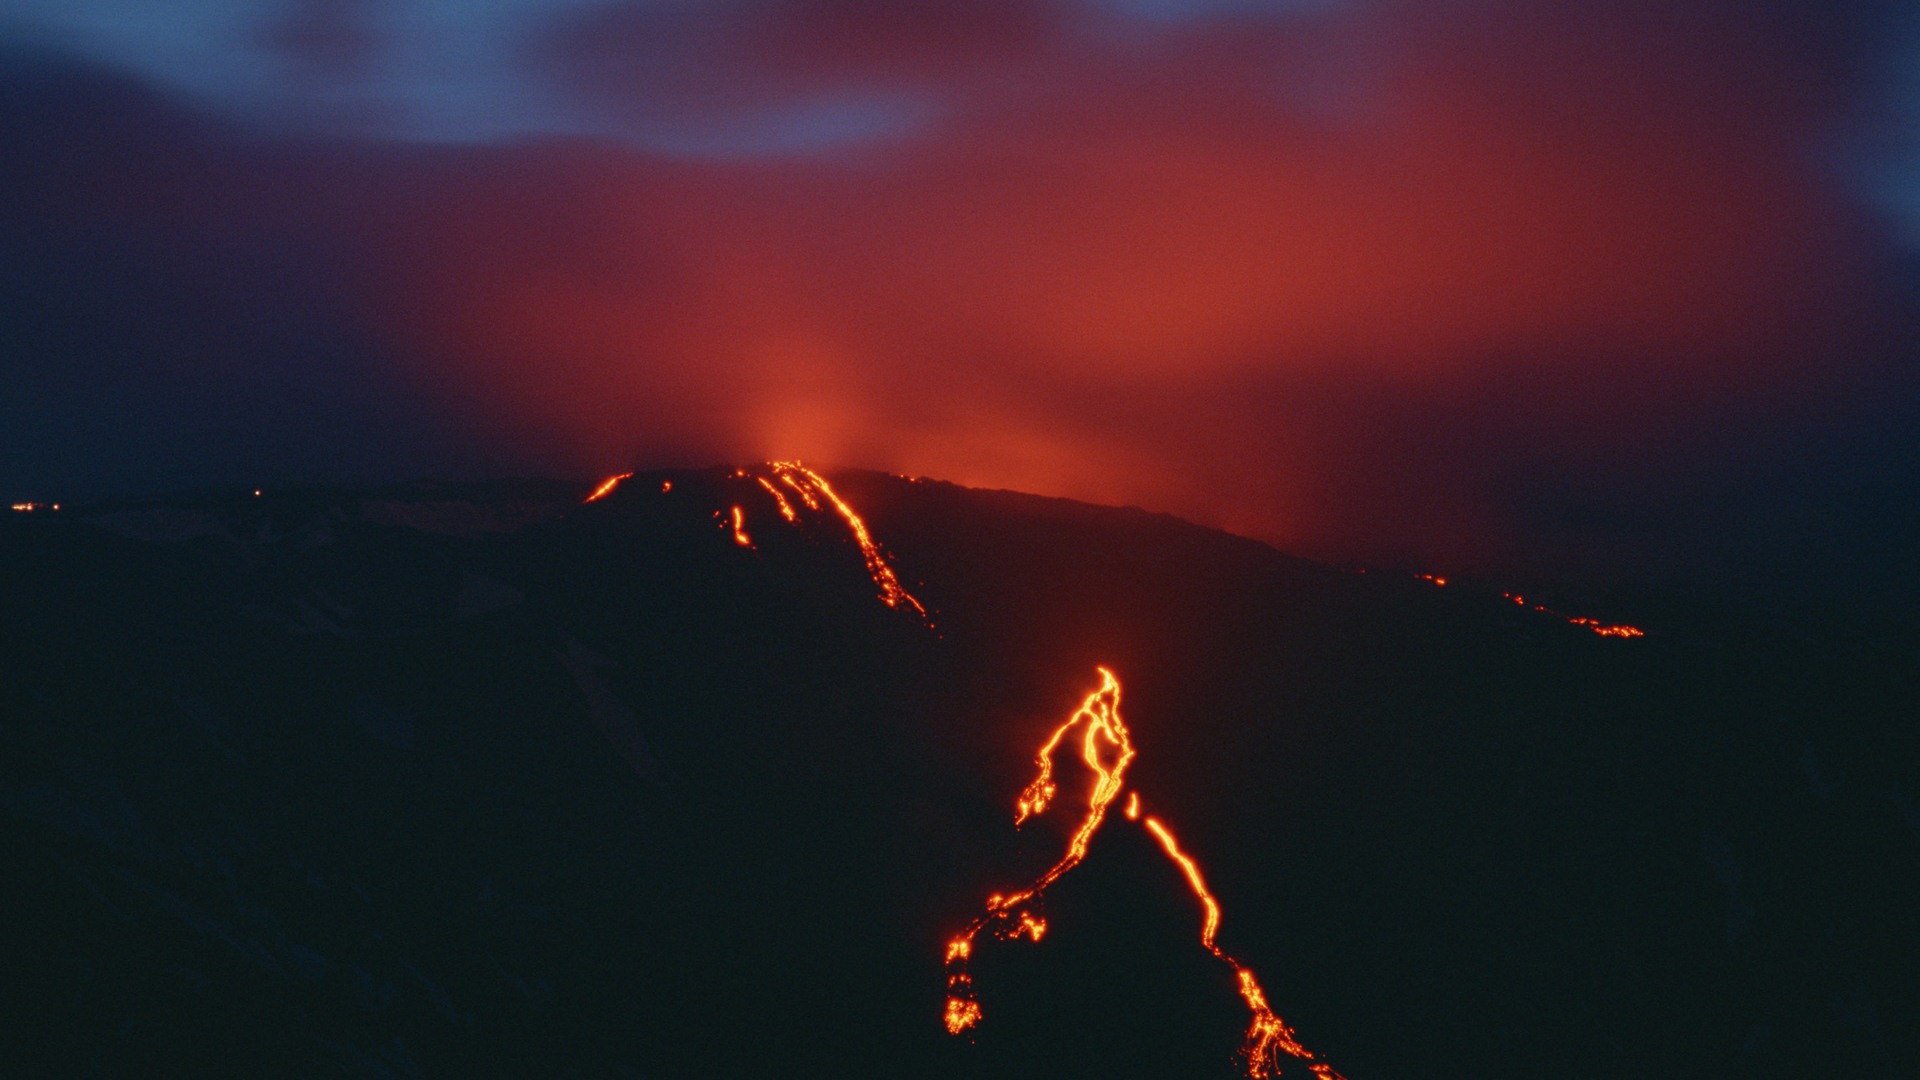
(461, 780)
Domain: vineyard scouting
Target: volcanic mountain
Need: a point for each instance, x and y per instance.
(700, 773)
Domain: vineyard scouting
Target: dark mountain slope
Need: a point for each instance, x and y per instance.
(477, 780)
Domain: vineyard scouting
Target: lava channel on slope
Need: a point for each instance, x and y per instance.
(1107, 749)
(797, 491)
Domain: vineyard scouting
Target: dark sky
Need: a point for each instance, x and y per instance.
(1609, 289)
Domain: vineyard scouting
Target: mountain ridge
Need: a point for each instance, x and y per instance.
(609, 793)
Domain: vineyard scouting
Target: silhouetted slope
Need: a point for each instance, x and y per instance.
(444, 780)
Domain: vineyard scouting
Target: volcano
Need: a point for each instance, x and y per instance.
(699, 773)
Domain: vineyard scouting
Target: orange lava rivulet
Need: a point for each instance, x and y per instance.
(1603, 629)
(792, 486)
(606, 487)
(814, 491)
(1619, 630)
(1107, 749)
(1105, 746)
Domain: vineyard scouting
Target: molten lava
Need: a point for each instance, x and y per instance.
(1105, 746)
(1107, 749)
(792, 486)
(605, 489)
(1595, 625)
(780, 500)
(812, 488)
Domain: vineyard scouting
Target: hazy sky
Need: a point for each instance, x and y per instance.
(1598, 287)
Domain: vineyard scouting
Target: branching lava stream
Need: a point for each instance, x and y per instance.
(1107, 749)
(1105, 746)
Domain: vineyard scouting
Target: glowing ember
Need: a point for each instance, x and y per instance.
(740, 528)
(1107, 749)
(1439, 581)
(606, 487)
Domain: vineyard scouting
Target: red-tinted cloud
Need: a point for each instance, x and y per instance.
(1464, 283)
(1123, 281)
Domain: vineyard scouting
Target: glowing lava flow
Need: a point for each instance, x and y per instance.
(792, 485)
(1620, 630)
(812, 488)
(605, 489)
(1107, 749)
(812, 491)
(1595, 625)
(780, 500)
